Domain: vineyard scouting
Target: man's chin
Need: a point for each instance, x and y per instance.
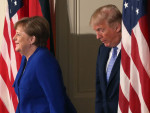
(106, 45)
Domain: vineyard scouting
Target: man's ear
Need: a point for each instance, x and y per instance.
(118, 27)
(33, 39)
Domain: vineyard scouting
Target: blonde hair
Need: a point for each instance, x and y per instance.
(110, 13)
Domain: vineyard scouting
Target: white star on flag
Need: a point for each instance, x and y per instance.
(137, 11)
(15, 3)
(126, 5)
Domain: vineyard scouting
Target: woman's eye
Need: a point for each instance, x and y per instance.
(18, 34)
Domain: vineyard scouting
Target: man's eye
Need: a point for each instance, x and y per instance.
(100, 30)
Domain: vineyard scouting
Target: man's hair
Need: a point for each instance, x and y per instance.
(110, 13)
(35, 26)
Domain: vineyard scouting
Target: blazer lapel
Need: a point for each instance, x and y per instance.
(19, 74)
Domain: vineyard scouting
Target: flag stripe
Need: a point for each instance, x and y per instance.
(2, 107)
(126, 40)
(124, 104)
(4, 73)
(5, 97)
(6, 35)
(13, 94)
(124, 87)
(134, 102)
(125, 60)
(36, 10)
(5, 55)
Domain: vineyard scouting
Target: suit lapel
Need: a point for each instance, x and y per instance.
(104, 55)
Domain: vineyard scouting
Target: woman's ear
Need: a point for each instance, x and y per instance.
(33, 39)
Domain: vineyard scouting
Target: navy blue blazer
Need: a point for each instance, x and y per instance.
(107, 94)
(39, 85)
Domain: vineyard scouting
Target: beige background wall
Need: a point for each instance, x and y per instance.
(76, 49)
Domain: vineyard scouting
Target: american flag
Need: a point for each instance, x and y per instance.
(134, 90)
(9, 59)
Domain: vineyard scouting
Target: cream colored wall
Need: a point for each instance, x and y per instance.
(3, 6)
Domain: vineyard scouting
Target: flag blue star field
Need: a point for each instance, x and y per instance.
(14, 6)
(134, 90)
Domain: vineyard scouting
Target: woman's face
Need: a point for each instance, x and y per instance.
(22, 41)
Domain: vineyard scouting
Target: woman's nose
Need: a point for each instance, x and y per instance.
(14, 38)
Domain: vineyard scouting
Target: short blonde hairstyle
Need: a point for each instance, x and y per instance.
(110, 13)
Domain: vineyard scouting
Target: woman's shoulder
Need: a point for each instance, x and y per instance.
(44, 51)
(44, 55)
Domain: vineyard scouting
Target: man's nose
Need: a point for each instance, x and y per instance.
(98, 36)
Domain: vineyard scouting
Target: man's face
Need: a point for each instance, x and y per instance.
(110, 36)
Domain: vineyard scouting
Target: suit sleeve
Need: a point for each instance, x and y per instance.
(50, 78)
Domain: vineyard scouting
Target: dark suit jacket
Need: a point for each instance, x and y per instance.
(40, 87)
(107, 94)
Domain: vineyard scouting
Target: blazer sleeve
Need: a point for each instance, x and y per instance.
(50, 78)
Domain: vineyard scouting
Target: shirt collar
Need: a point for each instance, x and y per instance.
(119, 46)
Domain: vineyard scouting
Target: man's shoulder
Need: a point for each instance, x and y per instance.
(103, 47)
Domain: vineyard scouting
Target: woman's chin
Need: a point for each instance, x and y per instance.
(16, 49)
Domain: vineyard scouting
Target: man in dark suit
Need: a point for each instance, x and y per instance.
(106, 21)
